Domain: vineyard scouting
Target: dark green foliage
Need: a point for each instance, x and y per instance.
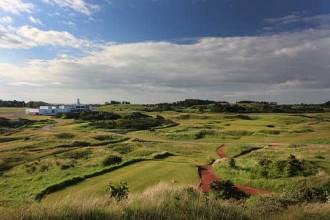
(239, 107)
(90, 116)
(244, 117)
(67, 165)
(4, 165)
(117, 191)
(304, 192)
(136, 115)
(20, 104)
(11, 123)
(76, 144)
(13, 103)
(111, 160)
(294, 166)
(64, 135)
(123, 148)
(200, 134)
(104, 137)
(36, 104)
(237, 133)
(271, 132)
(162, 155)
(225, 189)
(133, 121)
(81, 154)
(8, 139)
(232, 163)
(284, 168)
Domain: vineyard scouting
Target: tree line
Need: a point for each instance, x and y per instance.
(239, 107)
(20, 104)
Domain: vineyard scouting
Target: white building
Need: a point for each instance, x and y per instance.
(56, 109)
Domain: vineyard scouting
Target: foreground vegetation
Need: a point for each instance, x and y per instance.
(165, 201)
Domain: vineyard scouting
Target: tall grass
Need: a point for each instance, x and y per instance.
(162, 201)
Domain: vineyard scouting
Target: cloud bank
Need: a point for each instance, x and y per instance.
(28, 37)
(76, 5)
(16, 6)
(287, 67)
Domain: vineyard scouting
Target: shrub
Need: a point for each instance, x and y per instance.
(64, 135)
(162, 155)
(284, 168)
(304, 192)
(68, 165)
(271, 132)
(111, 159)
(124, 148)
(225, 189)
(232, 163)
(117, 191)
(238, 133)
(200, 134)
(80, 144)
(294, 166)
(8, 139)
(82, 154)
(104, 137)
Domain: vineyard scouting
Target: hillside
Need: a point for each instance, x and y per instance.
(71, 162)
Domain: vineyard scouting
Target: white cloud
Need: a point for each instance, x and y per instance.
(35, 20)
(76, 5)
(6, 20)
(28, 37)
(276, 67)
(320, 20)
(15, 6)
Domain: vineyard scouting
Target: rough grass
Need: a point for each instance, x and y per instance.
(165, 201)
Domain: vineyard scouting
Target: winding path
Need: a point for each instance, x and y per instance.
(207, 176)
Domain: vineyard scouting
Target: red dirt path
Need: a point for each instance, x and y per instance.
(221, 151)
(207, 176)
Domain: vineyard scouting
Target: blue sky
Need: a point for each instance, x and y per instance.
(150, 51)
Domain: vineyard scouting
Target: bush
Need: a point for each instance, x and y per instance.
(104, 137)
(162, 155)
(68, 165)
(111, 159)
(82, 154)
(232, 163)
(79, 144)
(124, 148)
(271, 132)
(305, 192)
(117, 191)
(200, 134)
(64, 135)
(284, 168)
(225, 189)
(294, 166)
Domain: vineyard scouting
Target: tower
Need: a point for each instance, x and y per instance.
(78, 101)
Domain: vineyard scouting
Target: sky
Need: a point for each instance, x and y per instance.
(151, 51)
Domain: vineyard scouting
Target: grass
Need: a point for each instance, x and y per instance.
(67, 149)
(169, 170)
(166, 201)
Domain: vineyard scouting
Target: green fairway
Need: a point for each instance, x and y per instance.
(138, 176)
